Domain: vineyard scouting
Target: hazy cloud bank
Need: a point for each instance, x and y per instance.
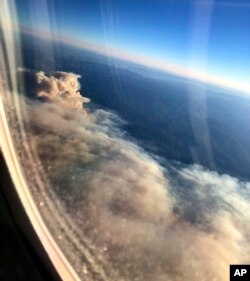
(153, 226)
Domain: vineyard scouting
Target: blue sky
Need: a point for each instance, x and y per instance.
(203, 35)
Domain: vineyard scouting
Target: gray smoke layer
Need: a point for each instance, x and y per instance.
(190, 226)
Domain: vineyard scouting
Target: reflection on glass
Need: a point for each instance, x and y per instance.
(131, 123)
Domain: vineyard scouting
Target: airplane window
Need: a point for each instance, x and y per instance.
(126, 128)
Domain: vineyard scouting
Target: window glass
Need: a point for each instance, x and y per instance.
(130, 124)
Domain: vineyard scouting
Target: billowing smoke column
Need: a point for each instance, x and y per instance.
(62, 87)
(190, 226)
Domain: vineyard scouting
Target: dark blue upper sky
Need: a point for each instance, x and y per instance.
(206, 35)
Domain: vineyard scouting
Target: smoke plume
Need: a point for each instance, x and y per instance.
(154, 225)
(62, 87)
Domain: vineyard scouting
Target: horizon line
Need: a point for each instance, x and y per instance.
(141, 60)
